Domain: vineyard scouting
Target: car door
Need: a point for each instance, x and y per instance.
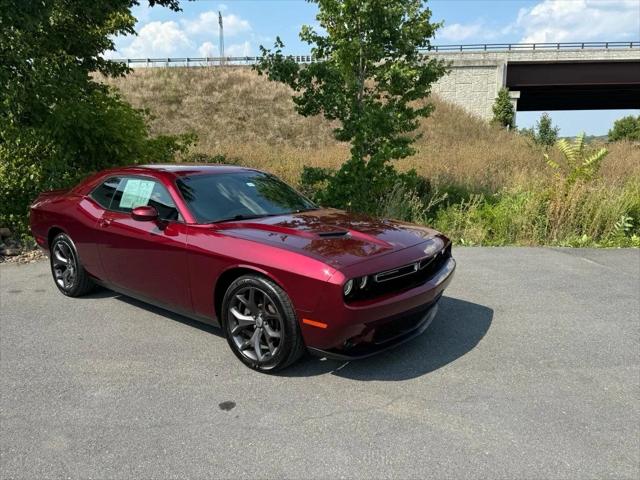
(147, 259)
(90, 210)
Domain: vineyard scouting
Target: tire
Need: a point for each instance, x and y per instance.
(68, 273)
(261, 327)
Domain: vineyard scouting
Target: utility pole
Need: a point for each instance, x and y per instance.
(222, 61)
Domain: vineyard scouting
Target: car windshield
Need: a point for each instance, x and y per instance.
(239, 195)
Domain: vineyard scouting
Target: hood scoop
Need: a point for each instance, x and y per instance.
(335, 234)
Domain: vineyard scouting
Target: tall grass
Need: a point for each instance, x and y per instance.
(583, 215)
(490, 186)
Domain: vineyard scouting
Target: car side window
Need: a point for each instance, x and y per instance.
(103, 193)
(136, 192)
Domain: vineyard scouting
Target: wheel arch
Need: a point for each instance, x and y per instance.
(53, 232)
(228, 277)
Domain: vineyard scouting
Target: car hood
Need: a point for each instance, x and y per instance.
(336, 237)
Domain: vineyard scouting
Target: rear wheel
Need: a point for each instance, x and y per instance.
(68, 274)
(260, 324)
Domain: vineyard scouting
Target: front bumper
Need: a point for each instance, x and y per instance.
(368, 349)
(361, 329)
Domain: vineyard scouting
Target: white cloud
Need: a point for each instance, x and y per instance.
(556, 21)
(478, 31)
(181, 37)
(158, 39)
(580, 20)
(208, 49)
(238, 50)
(458, 32)
(207, 23)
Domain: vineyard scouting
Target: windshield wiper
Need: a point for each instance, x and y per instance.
(245, 217)
(262, 215)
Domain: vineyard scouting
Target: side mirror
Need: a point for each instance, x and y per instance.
(144, 214)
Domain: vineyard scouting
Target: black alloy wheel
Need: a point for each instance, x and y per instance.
(260, 324)
(67, 271)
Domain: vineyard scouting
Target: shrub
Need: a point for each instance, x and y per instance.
(581, 215)
(361, 187)
(88, 135)
(21, 179)
(503, 112)
(56, 122)
(403, 203)
(578, 163)
(544, 133)
(589, 214)
(626, 128)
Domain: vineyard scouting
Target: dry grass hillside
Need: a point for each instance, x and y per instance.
(239, 114)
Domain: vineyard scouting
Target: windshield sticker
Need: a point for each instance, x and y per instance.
(250, 184)
(136, 193)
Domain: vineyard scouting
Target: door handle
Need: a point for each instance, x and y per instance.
(104, 222)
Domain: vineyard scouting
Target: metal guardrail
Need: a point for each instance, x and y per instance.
(305, 59)
(509, 47)
(201, 61)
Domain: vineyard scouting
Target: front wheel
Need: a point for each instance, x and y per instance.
(260, 324)
(67, 271)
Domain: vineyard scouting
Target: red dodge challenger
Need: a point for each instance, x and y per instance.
(238, 248)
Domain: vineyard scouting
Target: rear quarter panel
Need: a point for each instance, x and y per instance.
(73, 214)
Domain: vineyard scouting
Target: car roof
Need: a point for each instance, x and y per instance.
(182, 169)
(172, 170)
(168, 171)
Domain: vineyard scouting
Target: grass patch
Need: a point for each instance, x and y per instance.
(585, 215)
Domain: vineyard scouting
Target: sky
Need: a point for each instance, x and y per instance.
(251, 23)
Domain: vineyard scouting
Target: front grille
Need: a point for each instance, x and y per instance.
(396, 273)
(404, 277)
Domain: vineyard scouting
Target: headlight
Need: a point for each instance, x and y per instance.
(354, 285)
(348, 287)
(434, 246)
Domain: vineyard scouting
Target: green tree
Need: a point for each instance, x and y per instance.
(503, 112)
(57, 122)
(371, 78)
(544, 133)
(50, 48)
(626, 128)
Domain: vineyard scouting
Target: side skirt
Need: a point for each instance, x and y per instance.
(152, 301)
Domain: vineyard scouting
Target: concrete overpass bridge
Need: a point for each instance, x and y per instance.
(572, 76)
(540, 76)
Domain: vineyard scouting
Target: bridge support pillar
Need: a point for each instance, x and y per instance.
(514, 96)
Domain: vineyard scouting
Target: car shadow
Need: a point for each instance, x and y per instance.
(456, 330)
(102, 292)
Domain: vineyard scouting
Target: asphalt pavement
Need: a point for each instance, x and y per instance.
(530, 370)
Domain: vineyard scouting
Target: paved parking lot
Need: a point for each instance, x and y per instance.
(530, 370)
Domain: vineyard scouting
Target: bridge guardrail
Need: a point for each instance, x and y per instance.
(305, 59)
(509, 47)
